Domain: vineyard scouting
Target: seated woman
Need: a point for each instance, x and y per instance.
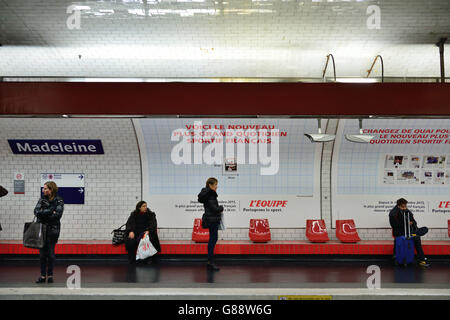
(142, 221)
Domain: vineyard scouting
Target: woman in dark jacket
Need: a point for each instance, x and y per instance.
(49, 211)
(3, 192)
(208, 196)
(142, 221)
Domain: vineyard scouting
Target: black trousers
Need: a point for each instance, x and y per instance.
(213, 236)
(132, 244)
(47, 257)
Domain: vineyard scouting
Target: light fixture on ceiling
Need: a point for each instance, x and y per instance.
(440, 44)
(326, 66)
(361, 137)
(319, 136)
(373, 64)
(356, 80)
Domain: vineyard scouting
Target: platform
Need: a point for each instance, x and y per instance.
(191, 280)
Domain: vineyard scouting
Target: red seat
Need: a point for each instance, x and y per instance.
(316, 231)
(259, 230)
(199, 234)
(346, 231)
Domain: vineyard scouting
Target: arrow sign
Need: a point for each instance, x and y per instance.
(70, 186)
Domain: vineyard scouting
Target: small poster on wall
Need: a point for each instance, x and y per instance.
(70, 186)
(19, 183)
(416, 169)
(230, 166)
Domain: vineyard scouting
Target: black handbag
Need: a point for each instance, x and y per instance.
(119, 235)
(204, 221)
(34, 234)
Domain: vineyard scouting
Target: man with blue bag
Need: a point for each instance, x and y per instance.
(407, 235)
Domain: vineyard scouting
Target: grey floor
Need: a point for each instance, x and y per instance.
(233, 274)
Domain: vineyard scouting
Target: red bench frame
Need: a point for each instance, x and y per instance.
(236, 247)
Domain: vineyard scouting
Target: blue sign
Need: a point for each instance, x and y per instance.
(70, 186)
(56, 146)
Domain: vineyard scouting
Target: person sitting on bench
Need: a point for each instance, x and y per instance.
(396, 219)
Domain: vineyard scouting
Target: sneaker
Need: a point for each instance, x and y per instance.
(40, 280)
(50, 279)
(424, 263)
(213, 266)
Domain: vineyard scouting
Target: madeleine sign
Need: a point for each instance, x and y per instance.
(66, 147)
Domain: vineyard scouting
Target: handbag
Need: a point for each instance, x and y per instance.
(204, 222)
(34, 234)
(222, 223)
(145, 249)
(119, 235)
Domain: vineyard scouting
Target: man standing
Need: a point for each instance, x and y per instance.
(397, 221)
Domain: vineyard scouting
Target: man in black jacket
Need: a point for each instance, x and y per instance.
(397, 217)
(3, 192)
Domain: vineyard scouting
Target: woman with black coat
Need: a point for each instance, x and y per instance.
(142, 221)
(208, 196)
(3, 192)
(49, 211)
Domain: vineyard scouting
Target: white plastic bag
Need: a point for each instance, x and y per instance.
(222, 222)
(145, 249)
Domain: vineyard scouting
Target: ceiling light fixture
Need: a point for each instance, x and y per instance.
(319, 136)
(361, 137)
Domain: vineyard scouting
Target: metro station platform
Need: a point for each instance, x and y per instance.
(182, 277)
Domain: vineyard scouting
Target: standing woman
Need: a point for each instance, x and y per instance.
(48, 211)
(208, 196)
(3, 192)
(142, 221)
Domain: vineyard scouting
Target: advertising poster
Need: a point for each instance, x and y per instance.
(408, 158)
(273, 171)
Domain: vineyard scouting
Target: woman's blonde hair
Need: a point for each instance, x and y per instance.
(211, 182)
(53, 188)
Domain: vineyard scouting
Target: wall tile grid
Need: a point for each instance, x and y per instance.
(112, 180)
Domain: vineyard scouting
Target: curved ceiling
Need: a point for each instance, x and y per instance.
(233, 38)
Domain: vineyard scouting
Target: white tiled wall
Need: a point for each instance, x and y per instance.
(113, 182)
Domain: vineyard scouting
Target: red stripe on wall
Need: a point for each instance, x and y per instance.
(238, 247)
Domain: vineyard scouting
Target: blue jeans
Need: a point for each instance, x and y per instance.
(213, 236)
